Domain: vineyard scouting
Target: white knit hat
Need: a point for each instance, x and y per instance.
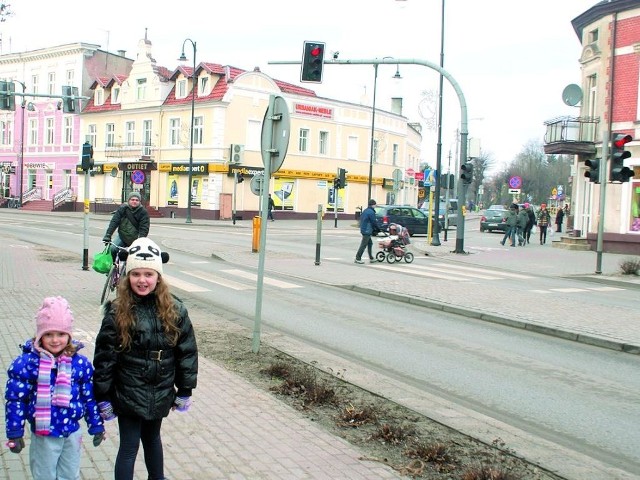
(54, 316)
(144, 253)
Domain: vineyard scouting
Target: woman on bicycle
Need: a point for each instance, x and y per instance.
(131, 219)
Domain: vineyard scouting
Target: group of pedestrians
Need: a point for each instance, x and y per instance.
(145, 365)
(521, 221)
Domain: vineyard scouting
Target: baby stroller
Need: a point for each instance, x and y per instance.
(394, 246)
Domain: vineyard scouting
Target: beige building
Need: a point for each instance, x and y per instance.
(139, 127)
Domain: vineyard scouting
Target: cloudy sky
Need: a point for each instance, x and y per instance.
(511, 59)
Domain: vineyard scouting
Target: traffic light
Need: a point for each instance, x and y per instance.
(336, 183)
(7, 96)
(68, 102)
(312, 62)
(617, 171)
(240, 178)
(87, 156)
(593, 174)
(466, 172)
(342, 176)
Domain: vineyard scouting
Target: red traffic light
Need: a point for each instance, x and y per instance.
(620, 140)
(316, 51)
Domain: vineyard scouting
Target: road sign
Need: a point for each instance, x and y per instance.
(514, 191)
(256, 183)
(515, 182)
(275, 133)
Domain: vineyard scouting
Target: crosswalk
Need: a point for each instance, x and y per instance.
(446, 271)
(234, 279)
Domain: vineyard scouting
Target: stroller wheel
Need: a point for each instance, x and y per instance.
(391, 258)
(408, 257)
(380, 256)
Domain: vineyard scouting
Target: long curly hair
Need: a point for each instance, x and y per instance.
(125, 319)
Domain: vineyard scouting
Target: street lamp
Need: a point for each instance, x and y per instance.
(183, 58)
(23, 104)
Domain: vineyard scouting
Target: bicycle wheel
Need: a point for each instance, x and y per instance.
(108, 284)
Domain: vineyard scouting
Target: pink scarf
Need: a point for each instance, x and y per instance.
(61, 390)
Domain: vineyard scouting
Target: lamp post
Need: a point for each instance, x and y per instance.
(373, 127)
(436, 237)
(23, 104)
(183, 58)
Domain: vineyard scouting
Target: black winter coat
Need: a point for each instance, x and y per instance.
(142, 381)
(129, 231)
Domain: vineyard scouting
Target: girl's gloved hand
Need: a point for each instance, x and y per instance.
(98, 438)
(181, 404)
(106, 411)
(16, 444)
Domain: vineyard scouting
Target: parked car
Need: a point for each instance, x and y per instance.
(414, 219)
(494, 218)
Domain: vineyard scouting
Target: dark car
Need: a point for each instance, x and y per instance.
(494, 218)
(415, 220)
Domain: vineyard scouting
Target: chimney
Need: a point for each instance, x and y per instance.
(122, 53)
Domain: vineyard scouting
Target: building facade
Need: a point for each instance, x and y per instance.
(39, 142)
(140, 125)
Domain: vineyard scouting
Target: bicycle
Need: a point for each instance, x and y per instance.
(113, 277)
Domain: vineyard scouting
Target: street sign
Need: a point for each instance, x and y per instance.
(256, 183)
(275, 133)
(515, 182)
(514, 191)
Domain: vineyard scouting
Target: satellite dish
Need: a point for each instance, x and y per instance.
(572, 95)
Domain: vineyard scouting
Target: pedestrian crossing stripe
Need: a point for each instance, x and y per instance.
(421, 273)
(182, 285)
(483, 271)
(224, 281)
(267, 280)
(218, 280)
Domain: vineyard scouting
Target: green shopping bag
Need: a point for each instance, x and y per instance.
(102, 261)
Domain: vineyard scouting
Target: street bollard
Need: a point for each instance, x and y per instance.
(255, 241)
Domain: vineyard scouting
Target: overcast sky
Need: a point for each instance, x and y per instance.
(511, 59)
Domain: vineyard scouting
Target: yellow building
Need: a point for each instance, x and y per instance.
(139, 127)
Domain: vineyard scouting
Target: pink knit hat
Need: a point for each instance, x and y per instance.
(54, 316)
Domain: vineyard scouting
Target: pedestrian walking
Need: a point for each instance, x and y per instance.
(146, 359)
(512, 225)
(270, 208)
(530, 223)
(523, 220)
(559, 219)
(368, 228)
(50, 386)
(131, 220)
(543, 219)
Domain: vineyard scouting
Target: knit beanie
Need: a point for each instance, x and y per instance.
(144, 253)
(54, 316)
(134, 195)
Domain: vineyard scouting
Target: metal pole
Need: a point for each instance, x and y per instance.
(193, 106)
(603, 189)
(85, 250)
(21, 163)
(235, 185)
(318, 234)
(436, 229)
(373, 127)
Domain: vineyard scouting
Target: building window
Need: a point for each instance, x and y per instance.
(395, 153)
(52, 83)
(99, 96)
(593, 36)
(34, 82)
(6, 132)
(204, 87)
(92, 134)
(68, 130)
(375, 150)
(110, 135)
(303, 140)
(323, 144)
(146, 133)
(130, 131)
(174, 131)
(115, 95)
(182, 89)
(198, 124)
(352, 148)
(48, 131)
(33, 132)
(142, 88)
(69, 76)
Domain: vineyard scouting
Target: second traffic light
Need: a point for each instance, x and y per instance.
(617, 171)
(466, 172)
(593, 174)
(336, 183)
(7, 96)
(342, 176)
(87, 156)
(312, 62)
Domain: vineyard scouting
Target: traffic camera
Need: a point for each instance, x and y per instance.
(593, 174)
(617, 171)
(312, 62)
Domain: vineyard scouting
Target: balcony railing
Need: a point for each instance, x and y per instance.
(130, 150)
(571, 135)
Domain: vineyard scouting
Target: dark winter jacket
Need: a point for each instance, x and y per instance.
(132, 223)
(532, 217)
(20, 396)
(543, 217)
(523, 218)
(512, 218)
(142, 381)
(368, 221)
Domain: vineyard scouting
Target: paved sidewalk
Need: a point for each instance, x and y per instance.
(232, 431)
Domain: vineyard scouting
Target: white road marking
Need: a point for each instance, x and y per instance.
(222, 281)
(268, 281)
(568, 290)
(421, 273)
(182, 285)
(605, 289)
(483, 271)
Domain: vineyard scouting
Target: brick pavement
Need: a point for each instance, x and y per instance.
(233, 430)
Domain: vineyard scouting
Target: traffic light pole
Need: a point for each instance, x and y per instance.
(464, 133)
(603, 190)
